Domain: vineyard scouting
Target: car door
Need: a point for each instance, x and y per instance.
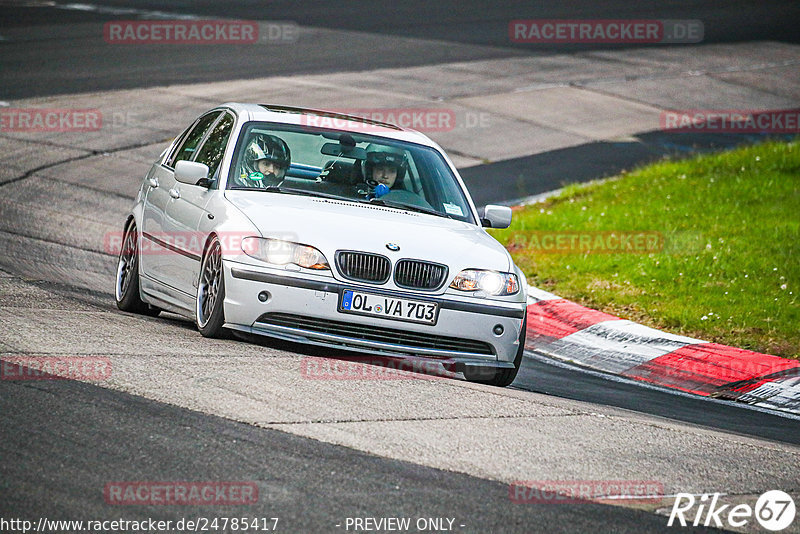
(154, 204)
(186, 208)
(158, 256)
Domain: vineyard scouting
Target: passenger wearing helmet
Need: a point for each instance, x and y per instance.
(384, 168)
(266, 160)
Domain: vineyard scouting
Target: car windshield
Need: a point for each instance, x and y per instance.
(287, 159)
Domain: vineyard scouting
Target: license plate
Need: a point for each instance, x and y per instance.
(414, 311)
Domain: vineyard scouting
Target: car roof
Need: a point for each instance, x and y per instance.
(326, 119)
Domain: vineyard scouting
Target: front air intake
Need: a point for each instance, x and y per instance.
(416, 274)
(363, 266)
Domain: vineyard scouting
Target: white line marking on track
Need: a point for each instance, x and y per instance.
(128, 11)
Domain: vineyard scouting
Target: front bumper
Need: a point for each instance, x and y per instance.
(304, 309)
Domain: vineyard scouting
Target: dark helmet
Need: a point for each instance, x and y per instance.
(385, 155)
(266, 147)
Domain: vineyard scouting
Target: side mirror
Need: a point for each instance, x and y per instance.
(496, 216)
(191, 172)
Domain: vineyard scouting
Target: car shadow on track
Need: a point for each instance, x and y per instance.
(330, 363)
(325, 363)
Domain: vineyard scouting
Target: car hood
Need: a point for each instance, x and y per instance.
(332, 225)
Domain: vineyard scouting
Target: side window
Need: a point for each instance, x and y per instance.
(214, 148)
(413, 176)
(190, 142)
(176, 144)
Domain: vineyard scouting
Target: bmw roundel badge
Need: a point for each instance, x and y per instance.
(392, 247)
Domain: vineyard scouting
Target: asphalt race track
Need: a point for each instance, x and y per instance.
(443, 32)
(178, 407)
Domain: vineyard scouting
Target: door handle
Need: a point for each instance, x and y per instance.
(174, 193)
(153, 182)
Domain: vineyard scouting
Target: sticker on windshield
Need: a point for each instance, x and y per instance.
(452, 209)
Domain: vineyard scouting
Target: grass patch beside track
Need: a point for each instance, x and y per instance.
(727, 264)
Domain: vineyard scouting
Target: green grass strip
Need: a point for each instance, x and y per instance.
(707, 247)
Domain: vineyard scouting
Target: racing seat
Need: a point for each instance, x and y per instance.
(341, 178)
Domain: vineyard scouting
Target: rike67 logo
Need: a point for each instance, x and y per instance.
(774, 511)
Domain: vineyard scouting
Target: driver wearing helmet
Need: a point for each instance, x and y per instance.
(384, 168)
(266, 160)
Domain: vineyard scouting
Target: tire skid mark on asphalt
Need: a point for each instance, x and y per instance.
(89, 154)
(57, 242)
(55, 262)
(93, 189)
(420, 419)
(127, 11)
(13, 206)
(38, 142)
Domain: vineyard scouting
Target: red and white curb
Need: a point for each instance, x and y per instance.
(564, 330)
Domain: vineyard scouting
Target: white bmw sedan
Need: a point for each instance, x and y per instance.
(324, 229)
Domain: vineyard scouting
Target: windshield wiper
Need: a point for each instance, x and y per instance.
(377, 201)
(290, 191)
(410, 207)
(270, 188)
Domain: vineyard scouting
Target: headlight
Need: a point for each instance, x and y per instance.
(279, 252)
(492, 282)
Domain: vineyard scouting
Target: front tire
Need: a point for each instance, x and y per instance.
(126, 291)
(209, 309)
(502, 377)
